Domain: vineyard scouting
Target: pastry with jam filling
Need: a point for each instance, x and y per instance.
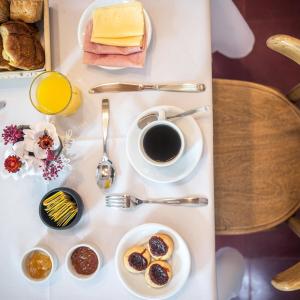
(158, 274)
(160, 246)
(137, 259)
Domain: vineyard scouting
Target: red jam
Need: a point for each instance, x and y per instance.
(138, 261)
(157, 246)
(158, 274)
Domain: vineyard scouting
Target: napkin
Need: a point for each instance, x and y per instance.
(189, 60)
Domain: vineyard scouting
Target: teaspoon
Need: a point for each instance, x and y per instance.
(147, 119)
(105, 172)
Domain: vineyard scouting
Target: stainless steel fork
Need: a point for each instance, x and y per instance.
(128, 201)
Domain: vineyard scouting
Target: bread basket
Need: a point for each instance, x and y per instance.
(44, 29)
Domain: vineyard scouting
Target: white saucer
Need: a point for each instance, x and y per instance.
(180, 262)
(87, 15)
(184, 166)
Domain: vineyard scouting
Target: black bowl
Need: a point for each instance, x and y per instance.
(74, 196)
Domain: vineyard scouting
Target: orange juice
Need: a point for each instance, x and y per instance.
(74, 103)
(51, 93)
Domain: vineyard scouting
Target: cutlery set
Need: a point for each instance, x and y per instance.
(105, 173)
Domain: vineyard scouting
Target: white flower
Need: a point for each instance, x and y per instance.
(34, 165)
(33, 139)
(19, 149)
(30, 166)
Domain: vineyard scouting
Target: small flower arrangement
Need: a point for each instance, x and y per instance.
(35, 150)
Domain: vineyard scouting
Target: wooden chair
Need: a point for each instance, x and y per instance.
(257, 156)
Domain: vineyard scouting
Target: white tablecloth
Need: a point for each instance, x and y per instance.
(180, 51)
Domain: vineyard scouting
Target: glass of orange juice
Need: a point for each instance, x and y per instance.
(51, 93)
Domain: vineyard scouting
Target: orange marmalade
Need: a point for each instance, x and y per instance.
(38, 265)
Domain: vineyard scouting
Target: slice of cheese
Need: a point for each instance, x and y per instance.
(122, 42)
(118, 21)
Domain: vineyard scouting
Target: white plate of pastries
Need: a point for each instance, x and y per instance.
(114, 41)
(152, 261)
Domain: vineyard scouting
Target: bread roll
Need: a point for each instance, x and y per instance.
(158, 274)
(160, 246)
(4, 65)
(29, 11)
(4, 11)
(21, 48)
(137, 259)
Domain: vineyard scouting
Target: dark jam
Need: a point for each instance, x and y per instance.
(157, 246)
(158, 274)
(137, 261)
(84, 261)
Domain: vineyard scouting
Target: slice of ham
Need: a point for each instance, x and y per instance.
(133, 60)
(104, 49)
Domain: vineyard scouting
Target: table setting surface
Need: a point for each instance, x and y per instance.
(180, 51)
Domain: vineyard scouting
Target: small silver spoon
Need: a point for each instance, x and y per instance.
(105, 172)
(147, 119)
(2, 104)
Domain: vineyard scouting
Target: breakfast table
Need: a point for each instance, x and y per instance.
(180, 51)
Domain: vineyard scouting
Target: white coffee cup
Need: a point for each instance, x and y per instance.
(161, 121)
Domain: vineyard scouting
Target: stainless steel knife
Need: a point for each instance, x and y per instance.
(133, 87)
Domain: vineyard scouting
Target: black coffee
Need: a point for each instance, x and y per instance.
(162, 143)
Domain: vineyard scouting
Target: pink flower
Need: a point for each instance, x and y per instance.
(12, 134)
(50, 155)
(52, 166)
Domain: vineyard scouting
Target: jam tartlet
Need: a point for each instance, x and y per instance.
(137, 259)
(158, 274)
(160, 246)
